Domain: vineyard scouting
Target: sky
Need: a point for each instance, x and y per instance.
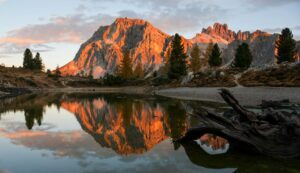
(57, 28)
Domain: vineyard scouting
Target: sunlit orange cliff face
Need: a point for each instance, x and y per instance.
(148, 45)
(104, 51)
(127, 128)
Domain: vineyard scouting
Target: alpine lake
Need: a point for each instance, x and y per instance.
(89, 133)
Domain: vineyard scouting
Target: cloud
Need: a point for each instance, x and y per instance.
(88, 155)
(168, 15)
(159, 4)
(188, 18)
(129, 13)
(5, 171)
(76, 144)
(175, 15)
(82, 7)
(69, 29)
(296, 28)
(268, 3)
(272, 30)
(20, 41)
(278, 30)
(258, 5)
(15, 48)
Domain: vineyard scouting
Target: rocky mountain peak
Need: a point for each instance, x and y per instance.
(259, 33)
(220, 29)
(103, 52)
(220, 33)
(219, 26)
(130, 22)
(123, 28)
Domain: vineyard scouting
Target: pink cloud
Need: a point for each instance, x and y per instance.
(20, 41)
(73, 29)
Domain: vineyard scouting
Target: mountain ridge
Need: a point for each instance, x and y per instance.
(102, 53)
(220, 33)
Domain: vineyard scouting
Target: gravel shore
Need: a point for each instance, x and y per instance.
(247, 96)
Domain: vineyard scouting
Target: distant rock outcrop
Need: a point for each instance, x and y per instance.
(262, 48)
(262, 44)
(220, 33)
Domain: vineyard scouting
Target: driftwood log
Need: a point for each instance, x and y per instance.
(272, 132)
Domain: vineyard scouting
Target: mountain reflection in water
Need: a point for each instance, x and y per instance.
(213, 144)
(126, 125)
(132, 132)
(123, 123)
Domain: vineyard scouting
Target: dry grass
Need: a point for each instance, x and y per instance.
(19, 77)
(210, 80)
(283, 76)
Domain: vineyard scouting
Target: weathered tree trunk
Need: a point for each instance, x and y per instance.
(272, 133)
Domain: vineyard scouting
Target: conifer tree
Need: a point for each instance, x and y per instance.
(118, 70)
(166, 66)
(49, 73)
(91, 73)
(178, 59)
(207, 54)
(215, 57)
(28, 59)
(57, 72)
(126, 66)
(286, 47)
(81, 73)
(243, 56)
(37, 63)
(195, 63)
(139, 71)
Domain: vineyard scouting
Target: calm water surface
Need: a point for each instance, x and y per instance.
(114, 133)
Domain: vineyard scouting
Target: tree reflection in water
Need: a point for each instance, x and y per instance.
(33, 115)
(33, 106)
(176, 120)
